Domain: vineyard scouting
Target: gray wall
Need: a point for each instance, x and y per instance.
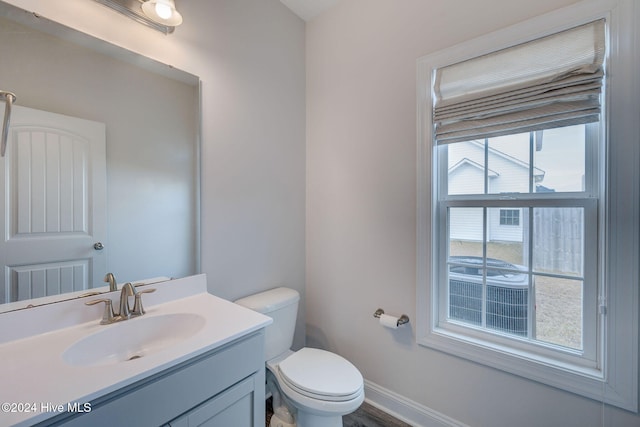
(361, 209)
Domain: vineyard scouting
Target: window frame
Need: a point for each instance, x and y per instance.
(511, 217)
(614, 378)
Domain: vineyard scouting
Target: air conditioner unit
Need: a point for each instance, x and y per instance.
(507, 295)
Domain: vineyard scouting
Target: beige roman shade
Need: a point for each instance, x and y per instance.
(550, 82)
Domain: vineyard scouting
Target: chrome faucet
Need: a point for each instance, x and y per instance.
(128, 290)
(126, 312)
(111, 280)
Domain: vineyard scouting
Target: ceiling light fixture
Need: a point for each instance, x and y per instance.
(160, 15)
(162, 11)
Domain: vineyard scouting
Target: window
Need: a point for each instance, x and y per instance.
(527, 254)
(534, 283)
(509, 217)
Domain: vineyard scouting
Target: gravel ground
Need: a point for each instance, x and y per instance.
(559, 311)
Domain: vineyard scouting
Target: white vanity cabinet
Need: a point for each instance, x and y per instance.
(222, 387)
(192, 359)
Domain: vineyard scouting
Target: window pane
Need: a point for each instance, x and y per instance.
(560, 155)
(558, 240)
(503, 307)
(502, 304)
(466, 167)
(508, 302)
(505, 234)
(559, 311)
(465, 292)
(465, 281)
(465, 231)
(508, 164)
(559, 163)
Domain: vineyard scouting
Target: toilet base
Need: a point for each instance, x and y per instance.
(306, 419)
(279, 422)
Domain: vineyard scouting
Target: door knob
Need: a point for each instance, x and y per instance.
(98, 246)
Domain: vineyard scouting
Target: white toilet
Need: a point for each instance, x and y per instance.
(321, 385)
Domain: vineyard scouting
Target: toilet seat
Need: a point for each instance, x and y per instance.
(321, 375)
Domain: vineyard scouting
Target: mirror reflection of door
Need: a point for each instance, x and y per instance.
(53, 195)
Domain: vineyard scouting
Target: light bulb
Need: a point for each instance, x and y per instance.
(163, 10)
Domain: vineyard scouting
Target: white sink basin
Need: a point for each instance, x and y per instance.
(133, 339)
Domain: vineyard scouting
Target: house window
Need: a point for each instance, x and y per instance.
(532, 283)
(509, 217)
(528, 212)
(526, 132)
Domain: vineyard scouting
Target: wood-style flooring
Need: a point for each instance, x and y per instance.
(365, 416)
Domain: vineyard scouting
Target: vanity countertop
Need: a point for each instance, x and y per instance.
(37, 383)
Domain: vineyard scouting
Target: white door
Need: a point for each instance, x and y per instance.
(53, 195)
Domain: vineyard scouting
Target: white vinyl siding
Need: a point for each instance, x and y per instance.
(466, 224)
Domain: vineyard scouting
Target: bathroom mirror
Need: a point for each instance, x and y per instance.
(150, 117)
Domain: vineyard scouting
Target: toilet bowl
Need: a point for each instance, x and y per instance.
(320, 385)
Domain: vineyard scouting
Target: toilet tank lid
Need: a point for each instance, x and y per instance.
(268, 301)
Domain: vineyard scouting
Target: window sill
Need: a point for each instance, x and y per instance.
(581, 380)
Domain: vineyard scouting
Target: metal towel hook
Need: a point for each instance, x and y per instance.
(9, 98)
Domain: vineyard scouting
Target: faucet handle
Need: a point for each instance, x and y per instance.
(138, 310)
(108, 315)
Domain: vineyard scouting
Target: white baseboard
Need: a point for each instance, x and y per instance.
(404, 409)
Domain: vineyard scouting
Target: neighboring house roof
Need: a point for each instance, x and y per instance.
(542, 189)
(469, 162)
(538, 174)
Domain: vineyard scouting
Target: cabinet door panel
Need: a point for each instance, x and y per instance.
(233, 407)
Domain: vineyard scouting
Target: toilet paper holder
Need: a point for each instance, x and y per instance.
(401, 320)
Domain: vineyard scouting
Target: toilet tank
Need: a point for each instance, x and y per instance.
(281, 304)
